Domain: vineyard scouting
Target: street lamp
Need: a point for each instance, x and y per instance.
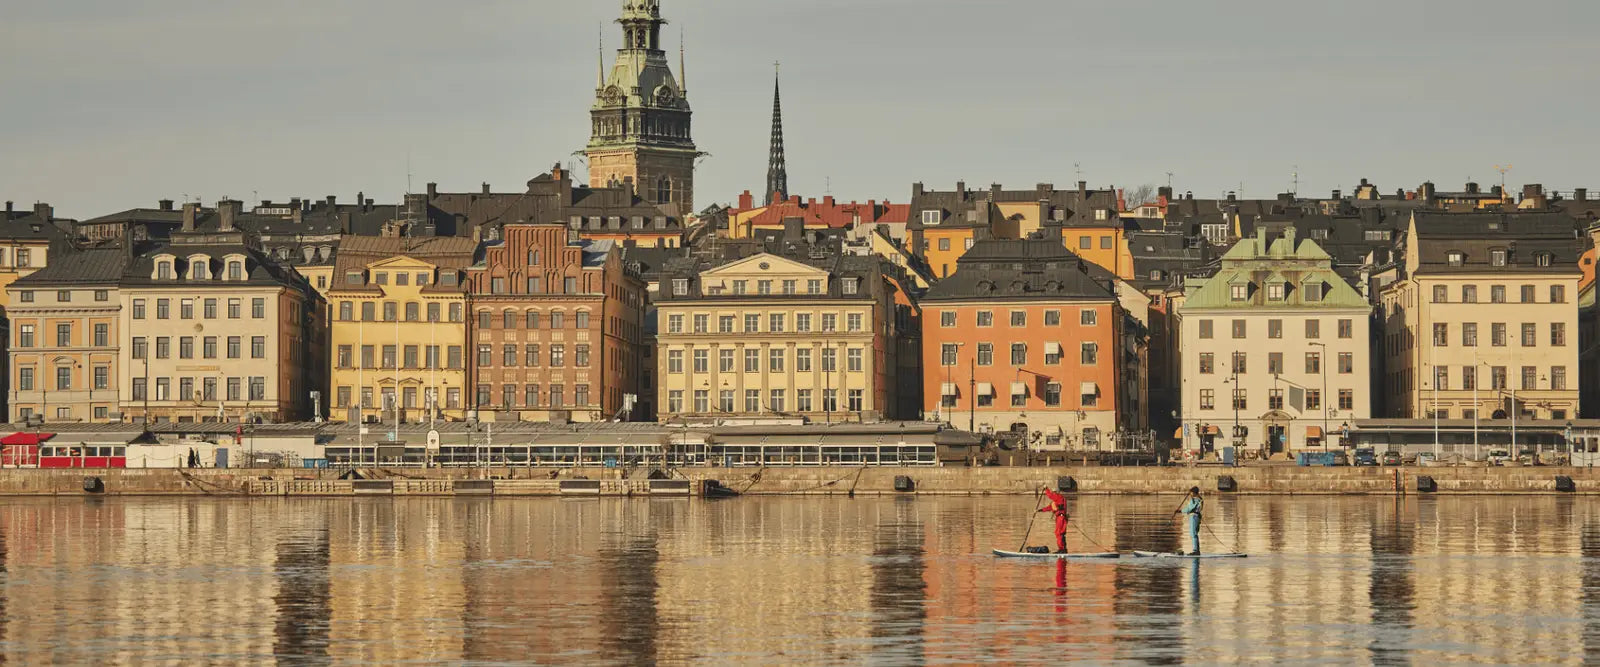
(1322, 365)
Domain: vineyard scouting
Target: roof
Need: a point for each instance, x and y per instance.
(100, 266)
(1258, 262)
(1040, 269)
(259, 269)
(1533, 242)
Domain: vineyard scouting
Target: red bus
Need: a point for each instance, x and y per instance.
(83, 456)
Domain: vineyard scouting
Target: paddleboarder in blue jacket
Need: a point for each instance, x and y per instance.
(1192, 506)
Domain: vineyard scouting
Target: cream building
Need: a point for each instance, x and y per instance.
(399, 328)
(213, 330)
(64, 347)
(777, 336)
(1484, 311)
(1275, 350)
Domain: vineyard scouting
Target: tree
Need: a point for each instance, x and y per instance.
(1133, 197)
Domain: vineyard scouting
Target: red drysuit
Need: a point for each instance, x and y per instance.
(1058, 507)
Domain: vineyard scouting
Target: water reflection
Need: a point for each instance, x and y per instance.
(754, 580)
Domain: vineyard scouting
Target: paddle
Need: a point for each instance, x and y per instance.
(1032, 516)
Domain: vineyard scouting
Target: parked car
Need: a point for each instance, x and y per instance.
(1528, 457)
(1498, 457)
(1366, 457)
(1427, 459)
(1391, 458)
(1340, 459)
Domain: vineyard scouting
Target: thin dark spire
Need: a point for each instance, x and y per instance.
(777, 171)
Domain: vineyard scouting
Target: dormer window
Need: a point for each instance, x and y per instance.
(1543, 258)
(236, 270)
(1241, 292)
(164, 270)
(851, 285)
(1456, 258)
(350, 277)
(1101, 214)
(1312, 291)
(447, 278)
(1497, 257)
(680, 287)
(930, 217)
(1275, 291)
(197, 269)
(1155, 275)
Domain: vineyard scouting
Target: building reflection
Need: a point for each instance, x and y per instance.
(899, 590)
(304, 596)
(1391, 592)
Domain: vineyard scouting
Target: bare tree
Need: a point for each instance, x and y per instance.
(1133, 197)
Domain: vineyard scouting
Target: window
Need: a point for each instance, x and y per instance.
(1530, 334)
(830, 360)
(1240, 292)
(775, 401)
(1497, 378)
(1558, 334)
(725, 324)
(775, 322)
(1497, 294)
(1469, 294)
(163, 308)
(1208, 363)
(186, 309)
(1313, 329)
(802, 400)
(1441, 378)
(854, 360)
(208, 347)
(802, 360)
(1052, 354)
(558, 359)
(702, 401)
(454, 359)
(102, 335)
(1052, 394)
(533, 285)
(1275, 399)
(775, 360)
(725, 361)
(763, 287)
(702, 359)
(1019, 318)
(258, 347)
(456, 311)
(1558, 294)
(63, 335)
(1205, 329)
(258, 308)
(944, 245)
(1052, 318)
(138, 309)
(1275, 363)
(1455, 258)
(163, 347)
(1469, 377)
(1558, 378)
(25, 296)
(931, 217)
(508, 355)
(675, 361)
(485, 356)
(1313, 291)
(1085, 242)
(1208, 399)
(1241, 400)
(1241, 363)
(1347, 363)
(1089, 354)
(985, 318)
(1527, 294)
(532, 356)
(1088, 318)
(675, 401)
(1105, 241)
(63, 378)
(140, 385)
(1530, 378)
(483, 395)
(1019, 399)
(1441, 334)
(1347, 399)
(1347, 328)
(1497, 334)
(752, 360)
(1497, 257)
(102, 295)
(1439, 293)
(186, 347)
(1275, 291)
(853, 322)
(1274, 328)
(701, 323)
(1238, 329)
(985, 354)
(344, 356)
(675, 324)
(680, 287)
(814, 286)
(102, 377)
(1313, 399)
(857, 400)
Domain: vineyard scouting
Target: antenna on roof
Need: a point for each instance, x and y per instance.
(1502, 171)
(1294, 188)
(1077, 167)
(1169, 180)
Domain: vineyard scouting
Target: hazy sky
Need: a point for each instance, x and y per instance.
(111, 104)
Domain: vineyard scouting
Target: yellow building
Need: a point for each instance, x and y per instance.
(942, 226)
(768, 335)
(399, 330)
(65, 333)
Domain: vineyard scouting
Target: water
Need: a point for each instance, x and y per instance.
(786, 581)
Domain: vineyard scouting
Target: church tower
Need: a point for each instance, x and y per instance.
(640, 135)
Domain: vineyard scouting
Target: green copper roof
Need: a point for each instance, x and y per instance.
(1285, 275)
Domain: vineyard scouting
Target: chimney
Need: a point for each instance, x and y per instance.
(361, 200)
(1261, 238)
(994, 192)
(165, 204)
(1043, 190)
(486, 188)
(43, 211)
(1580, 194)
(827, 201)
(916, 189)
(1426, 193)
(1337, 195)
(961, 190)
(10, 207)
(1165, 193)
(555, 173)
(1288, 235)
(190, 211)
(1496, 191)
(433, 191)
(332, 201)
(794, 229)
(1083, 190)
(794, 199)
(1472, 188)
(344, 223)
(229, 210)
(746, 201)
(1233, 196)
(811, 202)
(1532, 190)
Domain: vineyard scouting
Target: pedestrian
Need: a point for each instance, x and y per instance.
(1192, 506)
(1058, 508)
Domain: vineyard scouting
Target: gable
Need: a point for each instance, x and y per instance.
(764, 266)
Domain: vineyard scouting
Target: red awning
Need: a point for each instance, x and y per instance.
(23, 438)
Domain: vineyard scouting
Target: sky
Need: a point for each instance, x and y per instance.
(111, 104)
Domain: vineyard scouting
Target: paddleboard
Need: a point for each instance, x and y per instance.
(1023, 554)
(1154, 554)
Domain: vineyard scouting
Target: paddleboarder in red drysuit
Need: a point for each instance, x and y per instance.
(1057, 507)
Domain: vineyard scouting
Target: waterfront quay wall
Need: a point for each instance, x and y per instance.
(580, 482)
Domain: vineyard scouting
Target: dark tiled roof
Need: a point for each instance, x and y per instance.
(1165, 255)
(1525, 236)
(1022, 269)
(260, 270)
(80, 267)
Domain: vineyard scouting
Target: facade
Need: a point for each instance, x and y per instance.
(640, 135)
(399, 329)
(615, 213)
(65, 325)
(556, 330)
(1483, 314)
(1275, 350)
(214, 330)
(27, 238)
(783, 333)
(1023, 338)
(942, 226)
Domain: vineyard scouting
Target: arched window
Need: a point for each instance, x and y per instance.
(664, 190)
(533, 258)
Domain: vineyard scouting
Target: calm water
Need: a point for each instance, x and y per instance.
(791, 581)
